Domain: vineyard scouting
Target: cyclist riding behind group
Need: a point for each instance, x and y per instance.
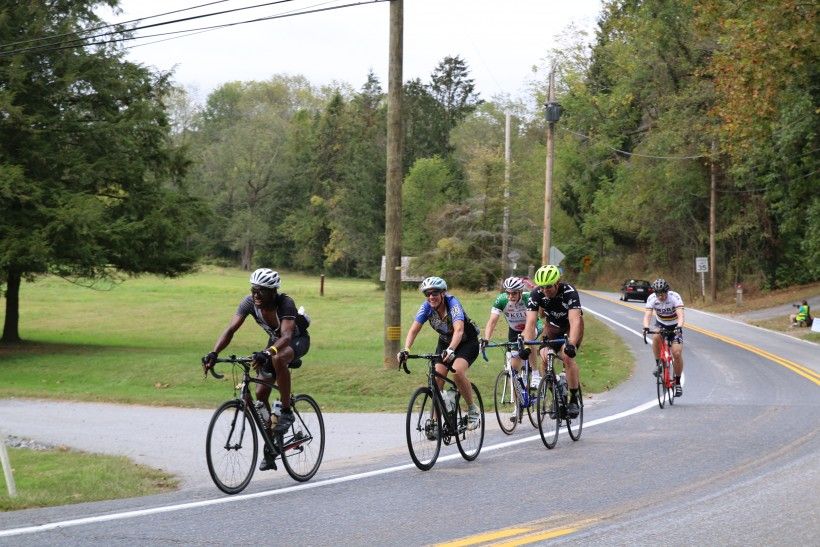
(564, 319)
(276, 313)
(457, 339)
(667, 306)
(512, 304)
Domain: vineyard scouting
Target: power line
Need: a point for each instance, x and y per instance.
(634, 154)
(82, 41)
(101, 27)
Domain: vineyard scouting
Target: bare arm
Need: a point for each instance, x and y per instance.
(576, 326)
(411, 334)
(458, 333)
(529, 328)
(227, 335)
(647, 317)
(679, 312)
(491, 323)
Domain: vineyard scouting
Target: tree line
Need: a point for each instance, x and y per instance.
(106, 168)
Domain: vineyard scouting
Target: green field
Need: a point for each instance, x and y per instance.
(140, 341)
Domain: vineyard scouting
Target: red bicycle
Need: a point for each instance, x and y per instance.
(665, 372)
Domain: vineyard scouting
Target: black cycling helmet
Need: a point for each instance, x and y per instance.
(660, 285)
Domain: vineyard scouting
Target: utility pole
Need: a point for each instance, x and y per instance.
(713, 222)
(505, 227)
(392, 227)
(553, 113)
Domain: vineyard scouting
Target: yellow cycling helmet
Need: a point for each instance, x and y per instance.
(547, 275)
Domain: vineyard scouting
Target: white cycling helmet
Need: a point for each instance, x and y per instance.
(513, 284)
(265, 277)
(435, 283)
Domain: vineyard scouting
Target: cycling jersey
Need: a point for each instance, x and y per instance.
(444, 327)
(515, 313)
(556, 308)
(666, 311)
(285, 309)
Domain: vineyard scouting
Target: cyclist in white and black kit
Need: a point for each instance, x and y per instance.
(564, 318)
(667, 307)
(276, 313)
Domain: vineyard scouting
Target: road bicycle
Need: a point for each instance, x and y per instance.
(513, 392)
(425, 431)
(232, 443)
(664, 371)
(553, 397)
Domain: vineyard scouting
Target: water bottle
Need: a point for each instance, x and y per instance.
(276, 407)
(449, 399)
(263, 412)
(562, 385)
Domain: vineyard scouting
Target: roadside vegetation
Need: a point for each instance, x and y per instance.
(59, 476)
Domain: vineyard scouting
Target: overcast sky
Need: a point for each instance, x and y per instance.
(501, 40)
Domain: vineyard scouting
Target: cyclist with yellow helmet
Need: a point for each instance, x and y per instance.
(564, 318)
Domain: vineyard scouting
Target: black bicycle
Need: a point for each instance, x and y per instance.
(553, 397)
(426, 432)
(232, 443)
(513, 392)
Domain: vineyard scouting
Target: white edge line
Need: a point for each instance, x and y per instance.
(308, 486)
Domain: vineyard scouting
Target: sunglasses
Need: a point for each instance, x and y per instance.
(546, 286)
(432, 293)
(513, 293)
(260, 290)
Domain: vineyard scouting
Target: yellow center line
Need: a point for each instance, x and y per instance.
(483, 538)
(801, 370)
(532, 538)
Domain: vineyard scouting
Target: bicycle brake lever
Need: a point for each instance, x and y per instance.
(404, 366)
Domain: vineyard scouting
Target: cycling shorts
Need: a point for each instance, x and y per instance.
(467, 349)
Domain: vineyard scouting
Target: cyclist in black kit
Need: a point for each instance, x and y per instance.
(276, 313)
(564, 318)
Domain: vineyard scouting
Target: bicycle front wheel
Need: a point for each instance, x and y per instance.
(549, 421)
(506, 401)
(660, 380)
(470, 433)
(231, 447)
(423, 429)
(576, 425)
(303, 446)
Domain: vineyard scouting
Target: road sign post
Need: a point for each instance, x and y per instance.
(702, 266)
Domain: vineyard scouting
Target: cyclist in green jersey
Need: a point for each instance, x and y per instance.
(512, 304)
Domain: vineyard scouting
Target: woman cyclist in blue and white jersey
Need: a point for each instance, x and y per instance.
(512, 304)
(457, 339)
(564, 318)
(668, 309)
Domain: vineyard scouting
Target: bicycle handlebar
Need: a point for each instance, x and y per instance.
(659, 331)
(520, 343)
(232, 359)
(428, 356)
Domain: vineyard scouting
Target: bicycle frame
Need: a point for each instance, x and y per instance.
(450, 427)
(519, 377)
(247, 402)
(667, 359)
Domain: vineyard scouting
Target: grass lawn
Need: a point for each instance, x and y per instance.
(141, 342)
(45, 478)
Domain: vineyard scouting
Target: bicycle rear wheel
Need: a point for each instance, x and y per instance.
(423, 429)
(669, 378)
(549, 421)
(304, 443)
(469, 437)
(576, 425)
(231, 447)
(506, 400)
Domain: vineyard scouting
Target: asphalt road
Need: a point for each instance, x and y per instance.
(735, 461)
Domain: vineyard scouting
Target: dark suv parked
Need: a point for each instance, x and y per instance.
(636, 289)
